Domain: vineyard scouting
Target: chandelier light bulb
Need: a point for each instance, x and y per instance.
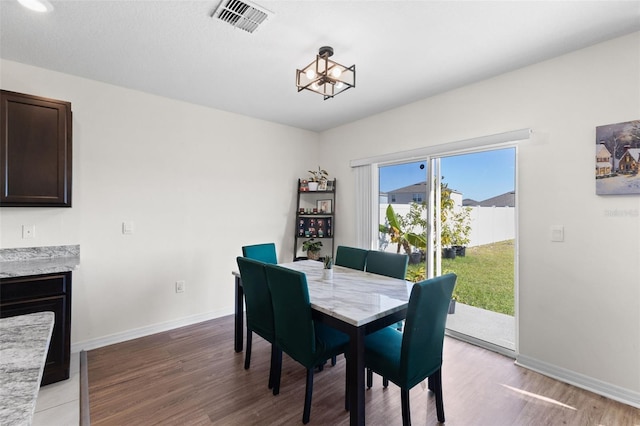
(315, 86)
(339, 85)
(311, 74)
(336, 72)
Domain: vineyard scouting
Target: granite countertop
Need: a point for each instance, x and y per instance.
(24, 342)
(21, 262)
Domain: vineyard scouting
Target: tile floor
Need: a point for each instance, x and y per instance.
(58, 404)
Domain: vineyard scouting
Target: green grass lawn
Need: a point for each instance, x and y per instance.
(485, 276)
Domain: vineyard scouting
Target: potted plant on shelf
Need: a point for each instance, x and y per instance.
(312, 248)
(316, 177)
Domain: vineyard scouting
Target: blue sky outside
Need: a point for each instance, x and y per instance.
(477, 176)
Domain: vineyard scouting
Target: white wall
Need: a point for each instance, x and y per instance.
(197, 183)
(579, 301)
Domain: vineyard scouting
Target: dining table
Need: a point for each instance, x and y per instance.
(352, 301)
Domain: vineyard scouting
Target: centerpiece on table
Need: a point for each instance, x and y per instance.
(327, 272)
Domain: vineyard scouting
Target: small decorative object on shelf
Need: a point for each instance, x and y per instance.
(304, 185)
(324, 206)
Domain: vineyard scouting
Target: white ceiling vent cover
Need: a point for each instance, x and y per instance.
(242, 14)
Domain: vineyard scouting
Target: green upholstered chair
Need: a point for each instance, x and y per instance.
(308, 342)
(409, 357)
(390, 264)
(262, 252)
(259, 311)
(351, 257)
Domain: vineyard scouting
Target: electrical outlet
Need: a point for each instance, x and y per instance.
(28, 232)
(180, 286)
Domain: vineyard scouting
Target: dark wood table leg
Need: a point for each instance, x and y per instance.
(239, 323)
(355, 376)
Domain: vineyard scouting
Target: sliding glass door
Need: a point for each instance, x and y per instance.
(463, 208)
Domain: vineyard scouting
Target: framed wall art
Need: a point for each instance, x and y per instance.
(618, 158)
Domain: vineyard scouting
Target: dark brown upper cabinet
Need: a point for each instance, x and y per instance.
(36, 151)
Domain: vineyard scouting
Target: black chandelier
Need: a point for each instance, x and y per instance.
(325, 76)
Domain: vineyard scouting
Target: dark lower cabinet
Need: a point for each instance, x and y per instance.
(39, 293)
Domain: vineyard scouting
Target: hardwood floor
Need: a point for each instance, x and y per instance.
(192, 376)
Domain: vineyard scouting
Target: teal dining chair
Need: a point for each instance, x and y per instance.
(389, 264)
(392, 265)
(407, 358)
(263, 252)
(351, 257)
(308, 342)
(259, 311)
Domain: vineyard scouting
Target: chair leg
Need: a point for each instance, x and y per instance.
(369, 378)
(307, 396)
(247, 354)
(436, 378)
(275, 353)
(406, 411)
(385, 382)
(277, 369)
(333, 361)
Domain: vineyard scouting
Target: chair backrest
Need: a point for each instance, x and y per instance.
(423, 337)
(351, 257)
(262, 252)
(257, 297)
(390, 264)
(295, 333)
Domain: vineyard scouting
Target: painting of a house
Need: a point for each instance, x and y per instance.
(603, 161)
(628, 163)
(618, 158)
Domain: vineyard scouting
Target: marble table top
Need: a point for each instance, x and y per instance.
(24, 343)
(353, 296)
(22, 262)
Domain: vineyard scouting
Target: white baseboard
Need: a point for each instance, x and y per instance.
(617, 393)
(146, 331)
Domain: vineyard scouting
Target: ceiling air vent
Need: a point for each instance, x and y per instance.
(241, 14)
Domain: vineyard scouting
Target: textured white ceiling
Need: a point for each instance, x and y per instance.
(403, 50)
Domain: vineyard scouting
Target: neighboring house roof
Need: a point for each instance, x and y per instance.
(508, 199)
(415, 188)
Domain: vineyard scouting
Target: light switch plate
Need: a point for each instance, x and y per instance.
(557, 233)
(127, 228)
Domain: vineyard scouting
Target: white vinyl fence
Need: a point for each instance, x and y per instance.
(488, 224)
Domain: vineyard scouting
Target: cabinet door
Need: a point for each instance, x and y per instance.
(56, 367)
(35, 161)
(40, 293)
